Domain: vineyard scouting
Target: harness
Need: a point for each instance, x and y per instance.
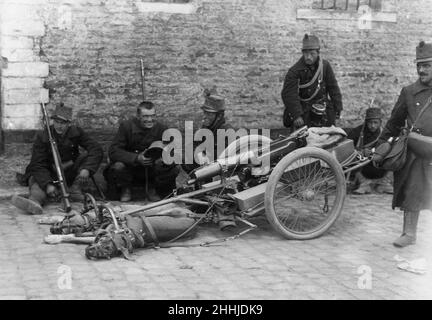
(318, 76)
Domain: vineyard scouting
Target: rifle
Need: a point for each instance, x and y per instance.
(142, 80)
(143, 98)
(61, 181)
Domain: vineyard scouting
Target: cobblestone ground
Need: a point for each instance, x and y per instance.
(259, 265)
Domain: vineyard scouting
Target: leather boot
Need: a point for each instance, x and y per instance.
(27, 205)
(126, 195)
(385, 185)
(365, 185)
(409, 232)
(75, 192)
(152, 196)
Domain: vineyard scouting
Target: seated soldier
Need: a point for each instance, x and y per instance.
(365, 137)
(40, 174)
(213, 118)
(128, 165)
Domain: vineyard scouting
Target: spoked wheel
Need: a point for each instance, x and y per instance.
(305, 193)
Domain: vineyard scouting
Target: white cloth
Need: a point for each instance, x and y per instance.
(418, 266)
(323, 137)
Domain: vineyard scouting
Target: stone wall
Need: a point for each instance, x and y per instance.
(86, 53)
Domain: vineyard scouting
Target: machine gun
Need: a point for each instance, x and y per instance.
(301, 193)
(61, 181)
(263, 156)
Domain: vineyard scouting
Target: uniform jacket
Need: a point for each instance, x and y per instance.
(131, 139)
(413, 183)
(222, 124)
(41, 165)
(368, 137)
(300, 72)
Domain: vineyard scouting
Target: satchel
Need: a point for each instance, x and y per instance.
(395, 159)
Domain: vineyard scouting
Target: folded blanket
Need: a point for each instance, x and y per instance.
(324, 137)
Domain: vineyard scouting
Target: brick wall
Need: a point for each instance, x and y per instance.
(241, 47)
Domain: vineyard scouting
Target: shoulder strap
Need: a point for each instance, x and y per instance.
(427, 104)
(318, 73)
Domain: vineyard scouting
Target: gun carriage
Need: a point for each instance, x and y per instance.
(300, 189)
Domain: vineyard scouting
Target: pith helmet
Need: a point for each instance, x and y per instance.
(310, 42)
(214, 103)
(62, 112)
(423, 52)
(373, 113)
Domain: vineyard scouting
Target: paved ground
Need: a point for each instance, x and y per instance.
(354, 260)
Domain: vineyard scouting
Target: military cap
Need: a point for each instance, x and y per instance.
(310, 42)
(214, 103)
(423, 52)
(62, 112)
(373, 113)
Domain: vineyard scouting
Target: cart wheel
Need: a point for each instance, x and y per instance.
(305, 193)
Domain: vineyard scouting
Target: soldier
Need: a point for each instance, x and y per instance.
(310, 93)
(413, 183)
(365, 137)
(214, 113)
(213, 118)
(129, 165)
(78, 168)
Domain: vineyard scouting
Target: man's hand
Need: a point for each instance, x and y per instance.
(299, 122)
(143, 161)
(83, 177)
(367, 152)
(52, 191)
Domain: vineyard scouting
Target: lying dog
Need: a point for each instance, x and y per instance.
(110, 234)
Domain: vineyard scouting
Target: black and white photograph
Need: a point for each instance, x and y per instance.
(216, 155)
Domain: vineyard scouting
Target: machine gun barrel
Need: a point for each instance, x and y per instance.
(261, 157)
(220, 165)
(57, 163)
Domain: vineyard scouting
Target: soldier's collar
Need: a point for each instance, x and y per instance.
(418, 87)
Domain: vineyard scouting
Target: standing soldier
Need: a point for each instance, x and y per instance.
(78, 167)
(413, 183)
(128, 161)
(310, 93)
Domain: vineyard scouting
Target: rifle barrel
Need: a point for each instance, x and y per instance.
(57, 163)
(142, 80)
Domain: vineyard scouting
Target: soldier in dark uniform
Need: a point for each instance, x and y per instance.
(128, 164)
(213, 118)
(365, 137)
(78, 168)
(413, 183)
(310, 93)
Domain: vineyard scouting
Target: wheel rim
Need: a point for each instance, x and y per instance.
(306, 196)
